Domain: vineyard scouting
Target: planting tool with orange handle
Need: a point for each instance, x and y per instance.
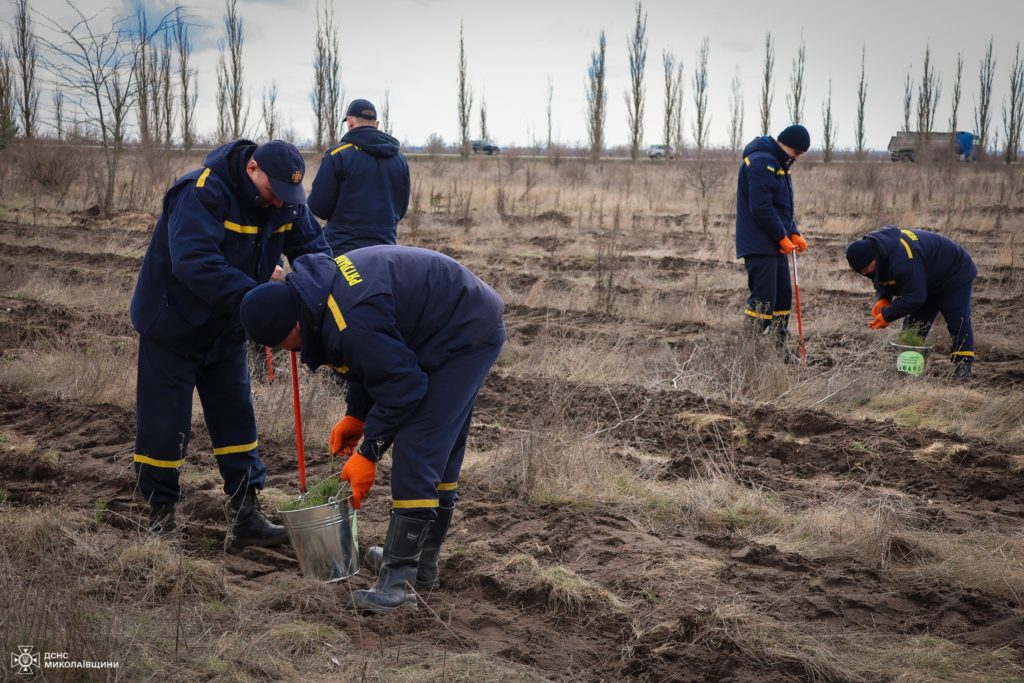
(298, 425)
(799, 315)
(270, 364)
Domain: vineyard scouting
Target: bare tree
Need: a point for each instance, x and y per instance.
(1013, 112)
(335, 92)
(465, 97)
(385, 112)
(702, 119)
(231, 73)
(164, 91)
(597, 99)
(223, 113)
(828, 137)
(187, 82)
(928, 93)
(8, 98)
(767, 89)
(736, 113)
(908, 100)
(862, 96)
(142, 75)
(637, 49)
(673, 85)
(551, 99)
(955, 102)
(26, 52)
(271, 118)
(58, 112)
(677, 134)
(795, 100)
(484, 135)
(983, 110)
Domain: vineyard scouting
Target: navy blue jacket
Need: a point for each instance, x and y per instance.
(915, 264)
(764, 199)
(384, 318)
(213, 243)
(362, 190)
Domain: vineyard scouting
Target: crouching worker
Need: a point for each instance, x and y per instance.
(917, 275)
(415, 334)
(222, 230)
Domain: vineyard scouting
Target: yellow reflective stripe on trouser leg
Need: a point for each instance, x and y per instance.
(968, 354)
(167, 464)
(759, 316)
(421, 503)
(448, 487)
(779, 313)
(241, 448)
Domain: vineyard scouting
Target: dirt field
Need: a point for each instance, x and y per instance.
(650, 494)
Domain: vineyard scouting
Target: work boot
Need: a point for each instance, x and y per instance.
(162, 524)
(427, 578)
(248, 524)
(400, 559)
(962, 371)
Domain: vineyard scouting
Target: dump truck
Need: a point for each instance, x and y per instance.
(908, 145)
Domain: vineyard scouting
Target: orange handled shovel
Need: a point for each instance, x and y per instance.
(799, 316)
(298, 425)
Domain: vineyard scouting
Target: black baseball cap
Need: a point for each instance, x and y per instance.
(364, 109)
(284, 167)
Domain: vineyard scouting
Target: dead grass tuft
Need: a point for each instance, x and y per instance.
(153, 570)
(562, 590)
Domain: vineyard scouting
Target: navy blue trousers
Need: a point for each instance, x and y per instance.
(166, 379)
(771, 294)
(430, 447)
(955, 307)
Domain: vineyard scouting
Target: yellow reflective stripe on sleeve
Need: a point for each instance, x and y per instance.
(338, 149)
(340, 369)
(448, 487)
(909, 233)
(781, 172)
(202, 179)
(969, 354)
(772, 169)
(284, 228)
(887, 283)
(423, 503)
(242, 229)
(782, 312)
(910, 254)
(241, 448)
(339, 320)
(168, 464)
(746, 160)
(759, 316)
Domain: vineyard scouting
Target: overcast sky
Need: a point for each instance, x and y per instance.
(410, 47)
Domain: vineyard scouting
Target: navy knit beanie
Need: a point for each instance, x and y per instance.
(861, 253)
(269, 313)
(797, 137)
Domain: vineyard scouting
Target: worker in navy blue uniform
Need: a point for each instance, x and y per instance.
(221, 232)
(362, 186)
(917, 275)
(415, 333)
(766, 230)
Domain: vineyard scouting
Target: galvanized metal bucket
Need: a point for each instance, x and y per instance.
(326, 539)
(911, 360)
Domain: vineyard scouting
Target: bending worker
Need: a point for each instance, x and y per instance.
(362, 186)
(415, 334)
(917, 275)
(222, 230)
(765, 226)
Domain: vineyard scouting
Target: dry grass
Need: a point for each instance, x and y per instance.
(562, 590)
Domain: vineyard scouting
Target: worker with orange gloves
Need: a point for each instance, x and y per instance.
(766, 231)
(415, 334)
(917, 275)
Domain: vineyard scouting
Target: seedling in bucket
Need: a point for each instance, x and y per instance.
(913, 352)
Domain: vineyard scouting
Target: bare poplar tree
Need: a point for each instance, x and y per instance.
(271, 119)
(983, 110)
(955, 102)
(908, 100)
(637, 49)
(165, 100)
(1013, 113)
(385, 112)
(484, 135)
(677, 134)
(928, 93)
(597, 99)
(8, 98)
(335, 93)
(767, 89)
(465, 97)
(828, 137)
(551, 99)
(736, 113)
(58, 112)
(702, 119)
(187, 82)
(223, 111)
(143, 77)
(673, 84)
(26, 52)
(862, 96)
(795, 100)
(231, 72)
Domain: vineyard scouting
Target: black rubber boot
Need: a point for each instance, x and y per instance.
(427, 578)
(400, 559)
(962, 370)
(248, 524)
(162, 523)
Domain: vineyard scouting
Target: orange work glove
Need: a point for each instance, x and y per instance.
(786, 246)
(345, 436)
(799, 242)
(878, 322)
(879, 305)
(359, 471)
